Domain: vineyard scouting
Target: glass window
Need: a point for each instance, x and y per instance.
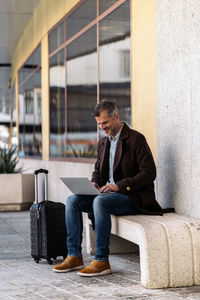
(37, 57)
(28, 118)
(82, 95)
(90, 73)
(57, 105)
(20, 76)
(39, 108)
(13, 112)
(37, 97)
(29, 63)
(13, 115)
(27, 70)
(56, 37)
(28, 97)
(114, 59)
(30, 139)
(116, 25)
(81, 17)
(105, 4)
(83, 46)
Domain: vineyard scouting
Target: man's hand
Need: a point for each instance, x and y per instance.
(96, 185)
(109, 188)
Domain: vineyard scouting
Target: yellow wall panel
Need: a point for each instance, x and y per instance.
(143, 69)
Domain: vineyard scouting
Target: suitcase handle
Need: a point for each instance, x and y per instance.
(41, 171)
(44, 171)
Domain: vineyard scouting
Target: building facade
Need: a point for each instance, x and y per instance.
(72, 54)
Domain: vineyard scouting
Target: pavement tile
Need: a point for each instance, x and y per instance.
(167, 297)
(187, 290)
(4, 296)
(101, 298)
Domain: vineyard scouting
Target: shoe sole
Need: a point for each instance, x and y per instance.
(105, 272)
(68, 270)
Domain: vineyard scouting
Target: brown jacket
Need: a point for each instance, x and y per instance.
(134, 169)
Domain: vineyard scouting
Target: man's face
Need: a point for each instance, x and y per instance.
(110, 125)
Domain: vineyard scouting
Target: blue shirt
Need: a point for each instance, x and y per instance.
(113, 146)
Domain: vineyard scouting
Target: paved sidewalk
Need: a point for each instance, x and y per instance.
(21, 278)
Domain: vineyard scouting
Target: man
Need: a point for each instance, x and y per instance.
(126, 168)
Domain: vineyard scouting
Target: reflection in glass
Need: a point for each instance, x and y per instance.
(74, 82)
(114, 59)
(29, 100)
(82, 95)
(57, 105)
(26, 122)
(81, 17)
(37, 57)
(29, 63)
(13, 112)
(20, 76)
(56, 37)
(21, 121)
(27, 70)
(28, 96)
(105, 4)
(14, 140)
(32, 62)
(37, 113)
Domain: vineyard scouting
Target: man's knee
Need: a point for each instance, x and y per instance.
(71, 200)
(99, 202)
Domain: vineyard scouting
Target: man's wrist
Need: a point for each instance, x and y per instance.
(117, 187)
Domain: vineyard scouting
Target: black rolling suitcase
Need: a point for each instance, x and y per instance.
(47, 225)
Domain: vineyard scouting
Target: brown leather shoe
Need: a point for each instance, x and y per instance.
(96, 268)
(69, 264)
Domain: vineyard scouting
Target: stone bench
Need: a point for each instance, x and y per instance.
(169, 247)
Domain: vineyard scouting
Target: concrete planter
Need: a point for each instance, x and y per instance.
(16, 191)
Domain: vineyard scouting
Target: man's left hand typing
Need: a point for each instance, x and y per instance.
(109, 188)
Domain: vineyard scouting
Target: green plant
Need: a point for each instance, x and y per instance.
(89, 151)
(9, 161)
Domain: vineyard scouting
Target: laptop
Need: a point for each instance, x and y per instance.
(80, 185)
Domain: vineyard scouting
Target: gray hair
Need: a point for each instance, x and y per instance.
(109, 106)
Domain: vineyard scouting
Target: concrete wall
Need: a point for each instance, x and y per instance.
(178, 105)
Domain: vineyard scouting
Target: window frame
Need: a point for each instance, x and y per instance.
(20, 85)
(96, 22)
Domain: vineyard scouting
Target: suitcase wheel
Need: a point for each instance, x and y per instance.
(50, 262)
(36, 260)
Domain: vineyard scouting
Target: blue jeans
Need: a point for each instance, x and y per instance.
(102, 206)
